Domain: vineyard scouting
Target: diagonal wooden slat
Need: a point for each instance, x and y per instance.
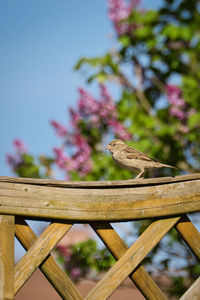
(38, 252)
(117, 247)
(56, 276)
(130, 260)
(190, 235)
(7, 257)
(193, 292)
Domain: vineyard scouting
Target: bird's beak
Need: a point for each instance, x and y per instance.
(107, 147)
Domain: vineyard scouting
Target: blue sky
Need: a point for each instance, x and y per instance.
(41, 40)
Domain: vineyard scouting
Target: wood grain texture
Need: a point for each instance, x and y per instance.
(137, 201)
(56, 276)
(190, 235)
(6, 257)
(94, 202)
(130, 260)
(99, 184)
(193, 293)
(38, 252)
(117, 247)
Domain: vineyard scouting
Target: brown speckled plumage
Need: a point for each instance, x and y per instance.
(131, 159)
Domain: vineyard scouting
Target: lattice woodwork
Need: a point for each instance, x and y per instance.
(137, 196)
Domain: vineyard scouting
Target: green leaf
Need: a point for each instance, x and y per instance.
(186, 33)
(100, 76)
(125, 40)
(28, 159)
(190, 81)
(143, 32)
(90, 61)
(172, 32)
(194, 120)
(150, 16)
(151, 43)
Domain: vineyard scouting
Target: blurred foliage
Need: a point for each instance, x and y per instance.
(156, 69)
(84, 259)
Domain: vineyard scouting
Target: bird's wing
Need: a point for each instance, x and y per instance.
(132, 153)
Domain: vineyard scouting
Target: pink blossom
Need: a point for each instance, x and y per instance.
(179, 107)
(20, 146)
(91, 112)
(61, 158)
(10, 159)
(59, 128)
(107, 106)
(80, 161)
(178, 104)
(64, 251)
(87, 104)
(107, 109)
(104, 92)
(13, 160)
(118, 11)
(75, 273)
(71, 164)
(119, 130)
(86, 168)
(174, 95)
(75, 118)
(95, 120)
(80, 142)
(81, 157)
(101, 112)
(176, 112)
(173, 89)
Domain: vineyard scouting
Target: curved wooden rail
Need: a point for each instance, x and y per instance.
(100, 201)
(167, 199)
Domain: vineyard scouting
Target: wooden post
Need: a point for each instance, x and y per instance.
(6, 257)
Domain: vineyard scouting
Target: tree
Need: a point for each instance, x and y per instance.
(155, 68)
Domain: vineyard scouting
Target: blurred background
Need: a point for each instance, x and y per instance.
(41, 41)
(76, 74)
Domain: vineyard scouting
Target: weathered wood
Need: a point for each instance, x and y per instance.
(190, 235)
(193, 293)
(99, 184)
(6, 257)
(37, 253)
(91, 202)
(130, 260)
(100, 204)
(56, 276)
(117, 247)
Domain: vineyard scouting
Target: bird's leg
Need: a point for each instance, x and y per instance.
(140, 174)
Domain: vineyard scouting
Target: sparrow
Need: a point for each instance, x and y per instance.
(131, 159)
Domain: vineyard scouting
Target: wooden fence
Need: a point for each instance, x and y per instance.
(167, 200)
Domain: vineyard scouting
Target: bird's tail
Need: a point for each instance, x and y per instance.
(168, 166)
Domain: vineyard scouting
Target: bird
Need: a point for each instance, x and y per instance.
(131, 159)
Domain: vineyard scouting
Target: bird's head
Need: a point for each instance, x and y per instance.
(115, 145)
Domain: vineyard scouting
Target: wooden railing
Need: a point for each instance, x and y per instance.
(167, 200)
